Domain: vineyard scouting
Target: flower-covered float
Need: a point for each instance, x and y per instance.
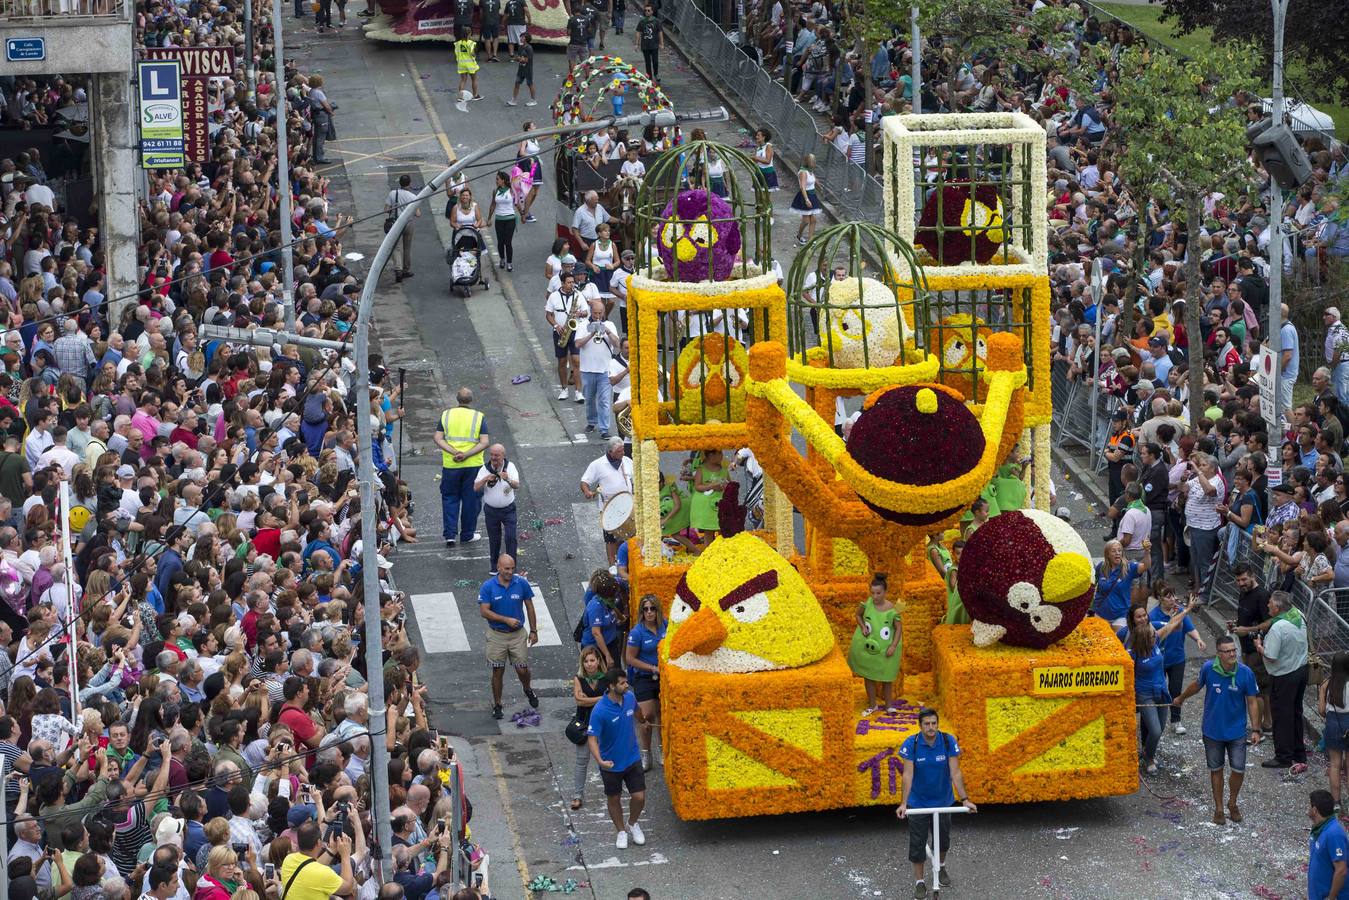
(760, 710)
(410, 20)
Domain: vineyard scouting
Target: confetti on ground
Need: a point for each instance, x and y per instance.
(536, 524)
(463, 583)
(527, 718)
(553, 520)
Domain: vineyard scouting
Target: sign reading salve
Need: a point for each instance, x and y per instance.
(25, 49)
(161, 115)
(1052, 680)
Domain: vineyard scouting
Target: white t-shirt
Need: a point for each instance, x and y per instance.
(501, 494)
(606, 480)
(617, 368)
(596, 352)
(618, 283)
(61, 455)
(564, 308)
(633, 168)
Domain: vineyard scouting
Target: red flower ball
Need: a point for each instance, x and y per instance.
(916, 435)
(1026, 574)
(974, 225)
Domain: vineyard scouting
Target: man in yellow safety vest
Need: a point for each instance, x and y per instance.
(461, 437)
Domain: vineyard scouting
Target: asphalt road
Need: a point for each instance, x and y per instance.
(397, 116)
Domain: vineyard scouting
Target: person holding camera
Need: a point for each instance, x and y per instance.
(302, 880)
(597, 340)
(497, 481)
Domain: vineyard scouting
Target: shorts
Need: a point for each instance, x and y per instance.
(646, 687)
(632, 776)
(491, 32)
(514, 33)
(524, 78)
(562, 351)
(1234, 751)
(1257, 665)
(1336, 732)
(508, 647)
(920, 826)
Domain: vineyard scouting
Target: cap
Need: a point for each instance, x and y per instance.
(1157, 341)
(299, 814)
(1145, 384)
(1333, 311)
(1284, 488)
(628, 254)
(125, 472)
(568, 260)
(1119, 415)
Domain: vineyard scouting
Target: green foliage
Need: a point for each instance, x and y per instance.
(1181, 133)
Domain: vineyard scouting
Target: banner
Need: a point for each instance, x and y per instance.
(161, 115)
(195, 123)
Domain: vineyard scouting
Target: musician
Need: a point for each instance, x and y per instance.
(618, 283)
(609, 475)
(564, 305)
(497, 481)
(597, 340)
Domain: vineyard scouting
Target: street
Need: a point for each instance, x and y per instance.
(396, 116)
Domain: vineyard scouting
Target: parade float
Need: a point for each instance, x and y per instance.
(940, 325)
(403, 21)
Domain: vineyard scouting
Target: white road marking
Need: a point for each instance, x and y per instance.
(586, 515)
(548, 636)
(439, 622)
(613, 862)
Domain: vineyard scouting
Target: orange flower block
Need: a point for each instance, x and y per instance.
(1052, 724)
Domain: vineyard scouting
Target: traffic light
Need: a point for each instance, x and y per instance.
(1279, 152)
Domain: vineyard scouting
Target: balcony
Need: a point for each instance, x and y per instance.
(44, 37)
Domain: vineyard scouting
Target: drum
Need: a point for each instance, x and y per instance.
(616, 517)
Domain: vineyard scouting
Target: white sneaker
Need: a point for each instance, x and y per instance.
(578, 396)
(562, 394)
(531, 103)
(637, 837)
(621, 842)
(511, 103)
(477, 536)
(1178, 728)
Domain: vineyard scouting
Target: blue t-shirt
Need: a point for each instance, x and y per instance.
(622, 558)
(1288, 341)
(506, 600)
(1225, 701)
(931, 769)
(614, 727)
(1173, 645)
(1326, 847)
(646, 641)
(1150, 676)
(1113, 589)
(601, 616)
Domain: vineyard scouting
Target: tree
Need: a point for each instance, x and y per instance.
(1316, 35)
(1183, 142)
(967, 26)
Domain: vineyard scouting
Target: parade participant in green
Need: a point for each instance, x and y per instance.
(874, 654)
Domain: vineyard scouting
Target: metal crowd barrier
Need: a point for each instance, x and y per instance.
(1325, 611)
(1073, 421)
(795, 129)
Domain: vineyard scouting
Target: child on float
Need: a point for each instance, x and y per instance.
(955, 608)
(876, 652)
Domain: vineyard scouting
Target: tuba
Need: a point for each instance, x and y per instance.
(623, 420)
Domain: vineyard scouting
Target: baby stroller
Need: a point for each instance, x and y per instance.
(465, 260)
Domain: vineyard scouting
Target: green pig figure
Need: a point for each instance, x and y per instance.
(876, 651)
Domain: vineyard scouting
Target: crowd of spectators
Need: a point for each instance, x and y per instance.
(183, 709)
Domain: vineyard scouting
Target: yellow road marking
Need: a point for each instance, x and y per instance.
(378, 154)
(504, 793)
(432, 116)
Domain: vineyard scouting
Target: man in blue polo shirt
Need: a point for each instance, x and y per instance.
(1328, 850)
(931, 772)
(613, 744)
(1226, 683)
(505, 601)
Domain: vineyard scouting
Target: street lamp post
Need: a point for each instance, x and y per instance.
(379, 757)
(1276, 247)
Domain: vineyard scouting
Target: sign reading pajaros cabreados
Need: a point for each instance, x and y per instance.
(1052, 680)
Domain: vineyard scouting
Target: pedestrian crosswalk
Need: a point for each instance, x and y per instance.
(441, 621)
